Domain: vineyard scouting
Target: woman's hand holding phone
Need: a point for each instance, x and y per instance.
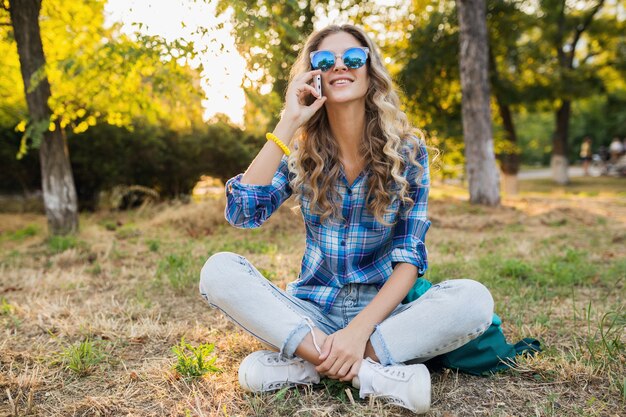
(298, 90)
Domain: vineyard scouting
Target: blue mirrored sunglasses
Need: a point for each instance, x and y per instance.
(353, 58)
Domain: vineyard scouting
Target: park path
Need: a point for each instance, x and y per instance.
(545, 173)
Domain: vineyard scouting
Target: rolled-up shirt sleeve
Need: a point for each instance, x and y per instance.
(249, 205)
(410, 230)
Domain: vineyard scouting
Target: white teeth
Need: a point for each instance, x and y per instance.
(341, 82)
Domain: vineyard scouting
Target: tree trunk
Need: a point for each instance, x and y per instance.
(558, 162)
(59, 191)
(482, 171)
(509, 157)
(509, 160)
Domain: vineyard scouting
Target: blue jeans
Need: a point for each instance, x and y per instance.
(446, 317)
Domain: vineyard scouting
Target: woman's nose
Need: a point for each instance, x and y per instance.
(337, 66)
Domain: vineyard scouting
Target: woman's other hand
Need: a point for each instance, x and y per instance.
(342, 354)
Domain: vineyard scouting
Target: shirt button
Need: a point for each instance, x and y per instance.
(343, 243)
(349, 191)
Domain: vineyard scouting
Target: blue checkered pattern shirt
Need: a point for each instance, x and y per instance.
(358, 250)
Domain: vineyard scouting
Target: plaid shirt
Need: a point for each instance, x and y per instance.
(359, 250)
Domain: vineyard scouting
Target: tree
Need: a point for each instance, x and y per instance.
(482, 172)
(574, 75)
(507, 25)
(59, 191)
(98, 76)
(430, 75)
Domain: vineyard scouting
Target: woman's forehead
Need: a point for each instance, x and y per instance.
(339, 42)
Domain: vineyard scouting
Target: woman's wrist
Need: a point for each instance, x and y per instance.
(285, 129)
(363, 329)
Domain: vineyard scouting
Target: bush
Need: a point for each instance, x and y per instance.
(159, 158)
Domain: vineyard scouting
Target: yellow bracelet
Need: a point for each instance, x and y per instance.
(273, 138)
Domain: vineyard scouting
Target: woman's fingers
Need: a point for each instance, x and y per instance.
(297, 91)
(354, 371)
(308, 76)
(324, 367)
(304, 91)
(344, 370)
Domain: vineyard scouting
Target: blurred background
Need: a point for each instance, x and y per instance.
(160, 94)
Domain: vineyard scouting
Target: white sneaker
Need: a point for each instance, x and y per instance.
(405, 385)
(265, 370)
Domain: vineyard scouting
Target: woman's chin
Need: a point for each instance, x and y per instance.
(341, 98)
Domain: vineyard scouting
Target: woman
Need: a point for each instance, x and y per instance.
(360, 173)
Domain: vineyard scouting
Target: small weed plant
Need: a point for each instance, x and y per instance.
(194, 362)
(82, 358)
(5, 308)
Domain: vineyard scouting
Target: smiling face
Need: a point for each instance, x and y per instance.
(356, 81)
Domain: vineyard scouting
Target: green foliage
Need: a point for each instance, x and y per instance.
(21, 234)
(147, 77)
(106, 156)
(448, 270)
(179, 270)
(109, 225)
(153, 245)
(514, 268)
(601, 343)
(249, 246)
(127, 231)
(525, 75)
(164, 160)
(58, 244)
(572, 267)
(269, 274)
(337, 389)
(6, 309)
(194, 362)
(617, 269)
(82, 358)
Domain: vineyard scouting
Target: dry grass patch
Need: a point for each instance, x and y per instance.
(127, 284)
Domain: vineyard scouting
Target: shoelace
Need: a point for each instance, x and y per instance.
(391, 370)
(310, 325)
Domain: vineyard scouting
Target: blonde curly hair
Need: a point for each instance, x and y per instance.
(388, 137)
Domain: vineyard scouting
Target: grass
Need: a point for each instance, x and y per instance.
(194, 361)
(180, 270)
(110, 322)
(578, 187)
(23, 233)
(58, 244)
(82, 358)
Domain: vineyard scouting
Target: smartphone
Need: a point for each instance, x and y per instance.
(318, 84)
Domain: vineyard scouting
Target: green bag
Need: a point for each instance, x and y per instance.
(486, 354)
